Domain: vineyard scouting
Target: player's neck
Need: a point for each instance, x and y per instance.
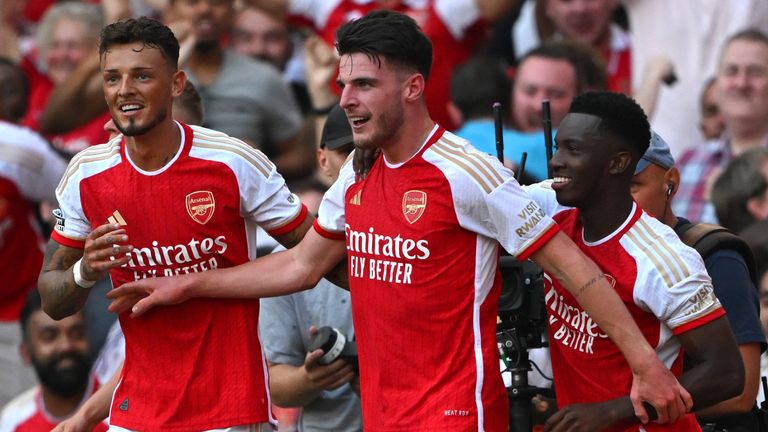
(605, 215)
(409, 139)
(60, 406)
(154, 149)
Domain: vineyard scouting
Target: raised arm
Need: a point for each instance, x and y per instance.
(61, 295)
(277, 274)
(653, 382)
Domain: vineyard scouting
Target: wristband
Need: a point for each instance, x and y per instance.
(79, 280)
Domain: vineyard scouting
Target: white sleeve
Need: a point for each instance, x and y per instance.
(269, 202)
(331, 213)
(457, 15)
(544, 195)
(71, 222)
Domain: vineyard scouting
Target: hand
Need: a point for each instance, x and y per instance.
(320, 63)
(326, 377)
(76, 423)
(142, 295)
(579, 417)
(659, 387)
(363, 160)
(103, 251)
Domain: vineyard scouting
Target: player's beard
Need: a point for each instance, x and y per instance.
(388, 123)
(66, 381)
(132, 129)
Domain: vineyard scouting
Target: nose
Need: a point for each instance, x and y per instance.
(348, 99)
(125, 88)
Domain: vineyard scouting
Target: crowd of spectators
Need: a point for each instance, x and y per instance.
(264, 72)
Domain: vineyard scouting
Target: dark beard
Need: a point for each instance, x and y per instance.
(206, 46)
(132, 130)
(65, 382)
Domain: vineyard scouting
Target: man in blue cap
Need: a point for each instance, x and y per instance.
(654, 186)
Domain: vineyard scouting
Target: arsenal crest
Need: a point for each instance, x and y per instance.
(200, 206)
(414, 203)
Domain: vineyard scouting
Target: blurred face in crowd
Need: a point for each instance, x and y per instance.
(742, 81)
(372, 96)
(649, 188)
(331, 161)
(587, 21)
(67, 48)
(209, 19)
(58, 350)
(712, 123)
(259, 35)
(540, 78)
(139, 84)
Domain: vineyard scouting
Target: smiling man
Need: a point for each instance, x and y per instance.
(422, 237)
(662, 282)
(189, 199)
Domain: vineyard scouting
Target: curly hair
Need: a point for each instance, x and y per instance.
(150, 32)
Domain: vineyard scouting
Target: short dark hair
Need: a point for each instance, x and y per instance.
(740, 181)
(148, 31)
(388, 34)
(14, 91)
(33, 304)
(588, 67)
(477, 84)
(620, 116)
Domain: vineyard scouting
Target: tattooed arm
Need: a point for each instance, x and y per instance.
(60, 294)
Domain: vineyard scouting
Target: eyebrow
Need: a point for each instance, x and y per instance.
(135, 69)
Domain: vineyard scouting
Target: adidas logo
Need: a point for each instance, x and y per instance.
(355, 200)
(117, 218)
(124, 405)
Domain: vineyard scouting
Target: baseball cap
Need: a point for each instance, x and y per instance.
(658, 153)
(336, 132)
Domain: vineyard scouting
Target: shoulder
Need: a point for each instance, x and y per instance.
(91, 161)
(18, 410)
(463, 164)
(217, 146)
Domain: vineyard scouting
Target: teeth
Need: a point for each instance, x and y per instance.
(130, 107)
(561, 179)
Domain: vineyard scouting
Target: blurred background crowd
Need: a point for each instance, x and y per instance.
(264, 71)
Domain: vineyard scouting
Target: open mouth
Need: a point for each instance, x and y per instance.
(559, 182)
(358, 121)
(130, 108)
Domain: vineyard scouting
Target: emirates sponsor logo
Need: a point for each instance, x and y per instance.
(200, 206)
(383, 258)
(414, 204)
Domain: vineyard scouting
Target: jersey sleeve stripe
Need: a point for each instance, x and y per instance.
(466, 168)
(235, 142)
(85, 158)
(291, 224)
(716, 311)
(333, 235)
(476, 159)
(238, 151)
(67, 241)
(643, 226)
(653, 254)
(537, 242)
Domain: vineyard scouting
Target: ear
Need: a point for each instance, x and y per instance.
(619, 163)
(454, 113)
(25, 354)
(758, 207)
(672, 178)
(178, 82)
(322, 162)
(413, 87)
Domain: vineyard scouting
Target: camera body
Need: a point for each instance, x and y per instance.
(522, 312)
(335, 345)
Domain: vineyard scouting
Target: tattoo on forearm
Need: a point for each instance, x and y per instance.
(56, 285)
(587, 285)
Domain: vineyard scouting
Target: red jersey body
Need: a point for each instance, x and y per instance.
(455, 28)
(663, 284)
(197, 365)
(423, 265)
(27, 412)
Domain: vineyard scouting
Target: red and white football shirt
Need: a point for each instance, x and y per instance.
(29, 172)
(197, 365)
(27, 412)
(663, 284)
(455, 28)
(423, 264)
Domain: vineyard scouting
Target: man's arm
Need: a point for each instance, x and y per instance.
(296, 386)
(276, 274)
(716, 376)
(653, 382)
(60, 294)
(743, 403)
